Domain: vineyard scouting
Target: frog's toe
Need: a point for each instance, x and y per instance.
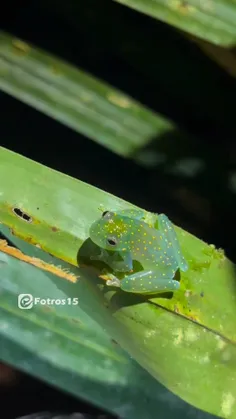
(114, 282)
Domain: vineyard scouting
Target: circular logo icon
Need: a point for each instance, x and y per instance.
(25, 301)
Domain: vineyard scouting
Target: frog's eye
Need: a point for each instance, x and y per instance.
(112, 241)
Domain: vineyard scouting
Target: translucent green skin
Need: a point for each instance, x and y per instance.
(158, 251)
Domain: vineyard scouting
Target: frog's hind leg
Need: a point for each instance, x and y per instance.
(149, 282)
(172, 243)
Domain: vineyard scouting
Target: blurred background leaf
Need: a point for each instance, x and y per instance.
(207, 20)
(75, 99)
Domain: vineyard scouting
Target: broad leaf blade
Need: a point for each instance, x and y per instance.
(178, 340)
(76, 99)
(212, 21)
(65, 346)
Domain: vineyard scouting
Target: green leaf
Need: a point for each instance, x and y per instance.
(186, 342)
(67, 345)
(76, 99)
(212, 21)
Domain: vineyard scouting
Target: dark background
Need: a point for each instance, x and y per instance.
(161, 68)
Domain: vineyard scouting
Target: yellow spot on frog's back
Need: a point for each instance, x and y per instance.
(119, 100)
(20, 46)
(228, 401)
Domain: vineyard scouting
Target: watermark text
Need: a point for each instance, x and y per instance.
(27, 301)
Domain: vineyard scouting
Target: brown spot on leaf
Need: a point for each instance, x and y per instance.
(54, 229)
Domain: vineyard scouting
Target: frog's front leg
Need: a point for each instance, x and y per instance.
(147, 282)
(123, 265)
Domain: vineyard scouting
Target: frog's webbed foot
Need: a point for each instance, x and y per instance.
(113, 282)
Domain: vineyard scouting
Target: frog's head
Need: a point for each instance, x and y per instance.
(110, 232)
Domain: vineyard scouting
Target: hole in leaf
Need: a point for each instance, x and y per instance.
(22, 215)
